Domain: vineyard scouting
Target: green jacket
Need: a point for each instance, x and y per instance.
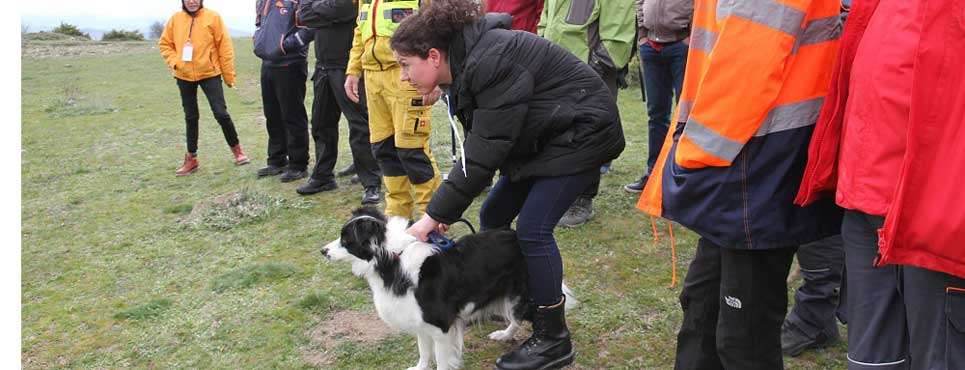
(602, 35)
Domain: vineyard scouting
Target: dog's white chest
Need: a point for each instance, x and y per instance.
(400, 312)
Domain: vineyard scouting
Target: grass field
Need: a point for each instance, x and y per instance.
(125, 265)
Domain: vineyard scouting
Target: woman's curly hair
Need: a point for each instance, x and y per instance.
(434, 25)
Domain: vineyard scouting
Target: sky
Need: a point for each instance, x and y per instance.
(104, 14)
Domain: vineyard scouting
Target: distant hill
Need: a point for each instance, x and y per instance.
(97, 33)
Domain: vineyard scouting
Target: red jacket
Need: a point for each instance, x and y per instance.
(925, 219)
(525, 13)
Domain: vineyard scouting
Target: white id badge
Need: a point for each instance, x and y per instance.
(188, 52)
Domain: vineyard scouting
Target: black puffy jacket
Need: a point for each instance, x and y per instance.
(529, 108)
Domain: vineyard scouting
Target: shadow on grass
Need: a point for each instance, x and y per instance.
(148, 310)
(251, 275)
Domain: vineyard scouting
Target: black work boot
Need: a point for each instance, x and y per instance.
(270, 170)
(372, 195)
(548, 348)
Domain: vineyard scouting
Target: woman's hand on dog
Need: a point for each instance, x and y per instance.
(424, 226)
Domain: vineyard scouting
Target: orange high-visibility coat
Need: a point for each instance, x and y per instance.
(757, 74)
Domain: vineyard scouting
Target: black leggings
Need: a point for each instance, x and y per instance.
(189, 100)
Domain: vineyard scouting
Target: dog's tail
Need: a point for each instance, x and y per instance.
(571, 301)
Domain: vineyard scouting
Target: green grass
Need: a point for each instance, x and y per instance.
(148, 310)
(125, 265)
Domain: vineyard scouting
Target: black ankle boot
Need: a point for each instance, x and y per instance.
(548, 348)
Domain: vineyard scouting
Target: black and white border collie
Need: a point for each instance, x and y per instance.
(431, 294)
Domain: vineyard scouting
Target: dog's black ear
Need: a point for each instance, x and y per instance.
(358, 237)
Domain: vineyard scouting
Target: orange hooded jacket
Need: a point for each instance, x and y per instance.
(213, 52)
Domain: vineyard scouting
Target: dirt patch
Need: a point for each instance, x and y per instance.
(235, 208)
(354, 326)
(61, 49)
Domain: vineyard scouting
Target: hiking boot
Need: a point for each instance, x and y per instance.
(292, 175)
(240, 157)
(579, 213)
(348, 170)
(794, 341)
(270, 170)
(548, 348)
(315, 186)
(637, 186)
(372, 195)
(189, 166)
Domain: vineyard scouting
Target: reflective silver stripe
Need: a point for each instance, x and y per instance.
(767, 12)
(818, 31)
(712, 142)
(683, 110)
(791, 116)
(363, 16)
(702, 39)
(875, 364)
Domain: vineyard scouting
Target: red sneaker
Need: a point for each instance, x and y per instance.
(190, 165)
(240, 157)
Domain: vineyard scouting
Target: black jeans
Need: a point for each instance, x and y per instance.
(734, 302)
(539, 203)
(818, 302)
(215, 94)
(663, 78)
(283, 96)
(900, 317)
(329, 103)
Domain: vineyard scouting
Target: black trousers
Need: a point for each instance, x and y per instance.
(819, 302)
(215, 94)
(734, 302)
(329, 103)
(900, 317)
(283, 96)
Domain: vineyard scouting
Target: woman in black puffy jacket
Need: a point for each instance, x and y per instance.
(533, 111)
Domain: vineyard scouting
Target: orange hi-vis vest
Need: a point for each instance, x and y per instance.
(757, 74)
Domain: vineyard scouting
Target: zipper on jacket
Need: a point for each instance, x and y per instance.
(373, 16)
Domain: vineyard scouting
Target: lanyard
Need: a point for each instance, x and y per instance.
(455, 132)
(191, 29)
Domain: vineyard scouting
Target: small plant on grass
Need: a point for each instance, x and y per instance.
(178, 209)
(317, 302)
(236, 208)
(248, 276)
(73, 103)
(123, 35)
(148, 310)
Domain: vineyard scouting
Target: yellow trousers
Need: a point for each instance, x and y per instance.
(399, 128)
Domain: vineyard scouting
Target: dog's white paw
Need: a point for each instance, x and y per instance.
(501, 335)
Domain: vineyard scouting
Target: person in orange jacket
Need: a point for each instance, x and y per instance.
(196, 46)
(757, 75)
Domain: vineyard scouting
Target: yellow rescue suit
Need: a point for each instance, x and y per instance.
(399, 122)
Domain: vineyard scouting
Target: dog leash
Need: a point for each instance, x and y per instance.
(444, 243)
